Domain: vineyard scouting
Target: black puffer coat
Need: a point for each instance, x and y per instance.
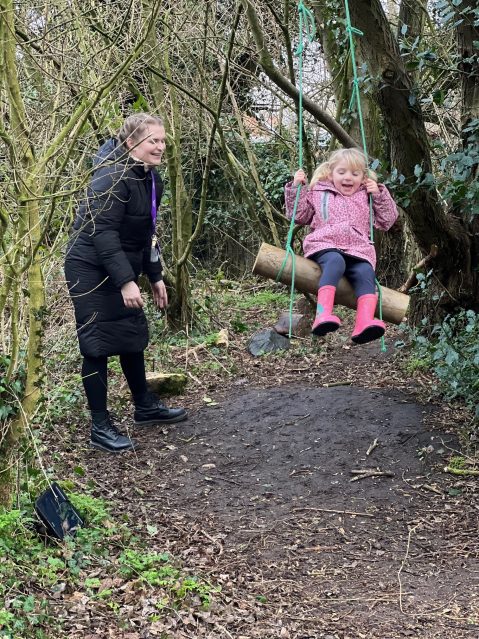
(110, 245)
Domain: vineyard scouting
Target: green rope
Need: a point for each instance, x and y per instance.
(306, 23)
(356, 97)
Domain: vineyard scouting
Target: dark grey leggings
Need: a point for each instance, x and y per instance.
(335, 264)
(95, 377)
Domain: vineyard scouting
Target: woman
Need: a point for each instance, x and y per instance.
(113, 241)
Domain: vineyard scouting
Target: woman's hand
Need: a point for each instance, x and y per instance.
(300, 177)
(160, 296)
(371, 186)
(131, 295)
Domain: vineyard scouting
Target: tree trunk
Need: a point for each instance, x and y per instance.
(30, 171)
(165, 100)
(467, 32)
(409, 149)
(26, 188)
(412, 14)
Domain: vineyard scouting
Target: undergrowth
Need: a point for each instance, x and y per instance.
(41, 579)
(452, 353)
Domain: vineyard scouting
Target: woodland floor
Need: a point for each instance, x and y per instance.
(254, 493)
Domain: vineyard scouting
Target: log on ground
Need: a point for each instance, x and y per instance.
(166, 383)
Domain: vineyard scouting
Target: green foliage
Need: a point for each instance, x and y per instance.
(261, 299)
(457, 462)
(273, 170)
(436, 64)
(230, 223)
(156, 570)
(461, 189)
(64, 397)
(238, 325)
(414, 364)
(452, 353)
(29, 565)
(23, 614)
(10, 388)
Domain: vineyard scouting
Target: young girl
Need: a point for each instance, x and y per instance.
(336, 207)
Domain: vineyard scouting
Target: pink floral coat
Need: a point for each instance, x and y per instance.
(340, 221)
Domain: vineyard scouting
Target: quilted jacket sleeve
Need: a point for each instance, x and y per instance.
(107, 199)
(385, 209)
(305, 210)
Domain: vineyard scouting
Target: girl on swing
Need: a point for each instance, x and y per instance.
(336, 207)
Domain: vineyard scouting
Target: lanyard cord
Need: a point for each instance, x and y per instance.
(154, 207)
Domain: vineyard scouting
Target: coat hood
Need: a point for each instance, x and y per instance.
(110, 152)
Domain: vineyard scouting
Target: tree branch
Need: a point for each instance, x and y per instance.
(288, 87)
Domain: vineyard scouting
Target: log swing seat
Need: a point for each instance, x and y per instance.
(269, 262)
(303, 274)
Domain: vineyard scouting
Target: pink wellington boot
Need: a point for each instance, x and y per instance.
(367, 328)
(324, 321)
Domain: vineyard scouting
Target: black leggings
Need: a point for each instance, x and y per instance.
(95, 377)
(335, 264)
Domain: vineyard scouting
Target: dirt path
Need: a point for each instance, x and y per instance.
(255, 492)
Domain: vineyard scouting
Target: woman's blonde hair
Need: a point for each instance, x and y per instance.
(135, 126)
(354, 159)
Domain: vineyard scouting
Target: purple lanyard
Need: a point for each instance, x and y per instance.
(154, 208)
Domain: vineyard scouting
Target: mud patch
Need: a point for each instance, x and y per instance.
(256, 491)
(272, 450)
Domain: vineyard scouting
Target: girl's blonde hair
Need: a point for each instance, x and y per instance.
(354, 159)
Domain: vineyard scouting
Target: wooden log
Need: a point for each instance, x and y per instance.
(268, 264)
(166, 383)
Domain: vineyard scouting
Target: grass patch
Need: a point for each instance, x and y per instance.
(263, 299)
(101, 566)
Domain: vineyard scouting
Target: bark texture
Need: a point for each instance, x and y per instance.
(405, 129)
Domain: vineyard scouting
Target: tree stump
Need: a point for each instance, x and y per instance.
(300, 325)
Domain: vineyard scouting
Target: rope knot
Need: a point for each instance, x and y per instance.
(306, 18)
(352, 29)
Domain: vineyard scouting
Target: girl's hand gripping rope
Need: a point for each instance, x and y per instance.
(371, 186)
(300, 178)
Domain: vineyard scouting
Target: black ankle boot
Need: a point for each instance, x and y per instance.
(106, 436)
(149, 410)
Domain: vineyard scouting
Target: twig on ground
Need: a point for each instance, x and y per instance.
(218, 478)
(432, 489)
(364, 473)
(336, 512)
(195, 379)
(331, 384)
(461, 471)
(292, 422)
(403, 563)
(372, 447)
(223, 629)
(215, 541)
